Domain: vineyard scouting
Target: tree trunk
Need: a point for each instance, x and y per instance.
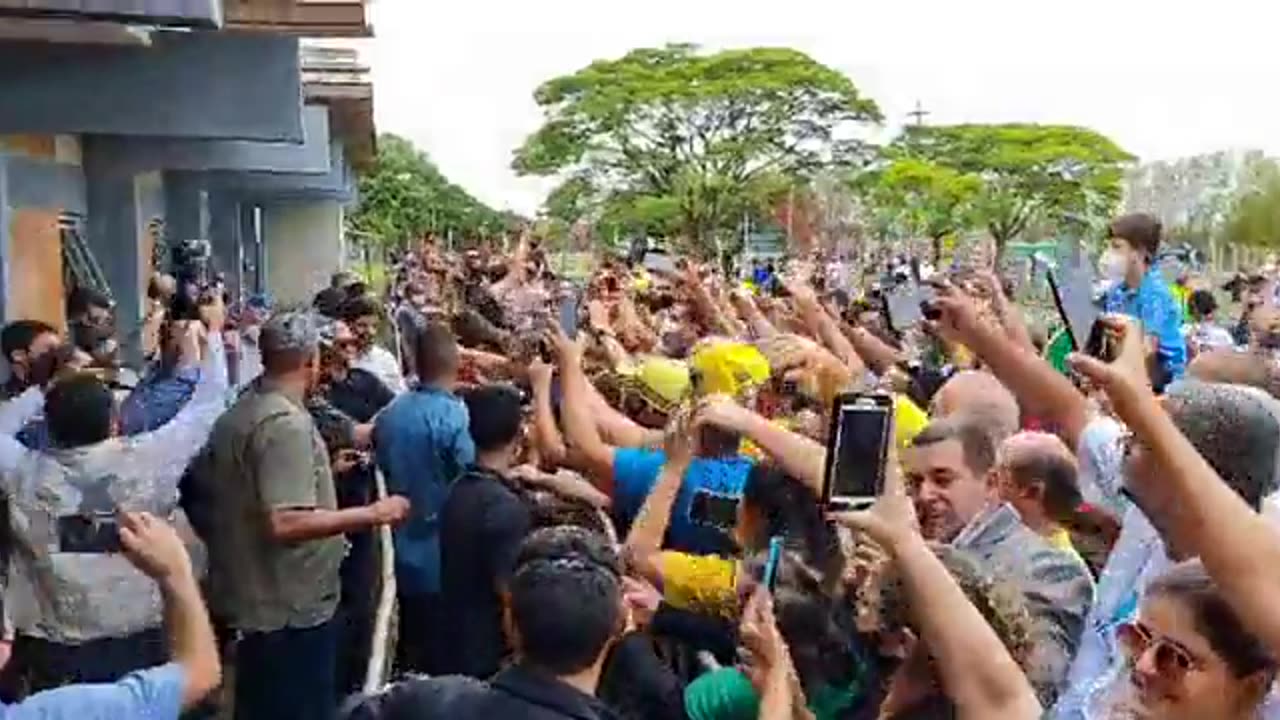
(1000, 242)
(937, 251)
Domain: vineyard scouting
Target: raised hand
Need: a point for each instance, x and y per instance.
(153, 546)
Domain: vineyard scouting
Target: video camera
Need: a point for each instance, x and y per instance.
(191, 261)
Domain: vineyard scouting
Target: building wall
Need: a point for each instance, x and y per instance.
(304, 246)
(122, 207)
(226, 86)
(41, 178)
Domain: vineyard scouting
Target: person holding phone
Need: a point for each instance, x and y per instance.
(163, 691)
(772, 505)
(81, 612)
(1139, 290)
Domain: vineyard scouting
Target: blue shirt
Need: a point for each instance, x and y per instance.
(157, 399)
(1154, 305)
(153, 694)
(635, 470)
(423, 442)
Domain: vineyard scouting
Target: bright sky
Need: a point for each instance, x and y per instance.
(1164, 79)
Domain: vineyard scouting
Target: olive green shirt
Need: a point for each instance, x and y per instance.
(264, 455)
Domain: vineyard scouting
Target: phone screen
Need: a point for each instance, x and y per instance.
(1073, 298)
(719, 511)
(569, 316)
(659, 262)
(770, 578)
(857, 447)
(98, 533)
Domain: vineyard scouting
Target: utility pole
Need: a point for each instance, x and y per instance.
(919, 114)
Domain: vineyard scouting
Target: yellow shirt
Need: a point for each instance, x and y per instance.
(909, 420)
(1061, 539)
(700, 583)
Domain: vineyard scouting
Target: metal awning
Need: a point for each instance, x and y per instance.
(173, 13)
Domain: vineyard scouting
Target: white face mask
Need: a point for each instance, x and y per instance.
(1113, 265)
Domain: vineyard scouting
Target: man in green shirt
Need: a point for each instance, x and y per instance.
(277, 537)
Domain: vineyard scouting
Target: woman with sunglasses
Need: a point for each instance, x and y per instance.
(1189, 656)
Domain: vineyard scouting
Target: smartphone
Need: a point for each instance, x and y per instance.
(928, 295)
(1101, 343)
(1073, 299)
(569, 315)
(659, 262)
(96, 534)
(857, 450)
(908, 304)
(714, 510)
(770, 578)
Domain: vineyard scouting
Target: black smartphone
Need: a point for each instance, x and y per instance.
(929, 309)
(714, 510)
(95, 534)
(1072, 297)
(1101, 343)
(857, 450)
(908, 304)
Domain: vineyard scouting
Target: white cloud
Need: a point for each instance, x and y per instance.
(1164, 79)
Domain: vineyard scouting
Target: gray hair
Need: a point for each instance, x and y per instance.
(1235, 429)
(290, 332)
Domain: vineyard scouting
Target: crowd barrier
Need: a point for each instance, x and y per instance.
(383, 638)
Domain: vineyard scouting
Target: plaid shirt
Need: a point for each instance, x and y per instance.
(1056, 583)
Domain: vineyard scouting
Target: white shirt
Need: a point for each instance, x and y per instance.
(1137, 558)
(384, 366)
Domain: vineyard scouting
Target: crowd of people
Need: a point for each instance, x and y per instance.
(587, 485)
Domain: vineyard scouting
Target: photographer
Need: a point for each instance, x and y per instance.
(82, 613)
(163, 691)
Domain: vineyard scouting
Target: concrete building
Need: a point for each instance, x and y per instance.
(133, 125)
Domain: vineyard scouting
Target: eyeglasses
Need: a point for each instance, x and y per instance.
(1172, 660)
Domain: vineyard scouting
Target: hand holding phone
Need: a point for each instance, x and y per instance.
(770, 578)
(91, 533)
(858, 448)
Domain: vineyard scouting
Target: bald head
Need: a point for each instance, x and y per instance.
(981, 396)
(1039, 476)
(1028, 444)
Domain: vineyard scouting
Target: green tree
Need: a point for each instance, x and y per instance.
(1253, 220)
(921, 198)
(405, 196)
(679, 141)
(1067, 175)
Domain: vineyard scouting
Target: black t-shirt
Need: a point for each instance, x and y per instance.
(517, 693)
(482, 525)
(636, 684)
(361, 395)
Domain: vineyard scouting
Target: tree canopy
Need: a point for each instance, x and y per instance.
(915, 197)
(672, 140)
(1253, 218)
(1023, 172)
(406, 196)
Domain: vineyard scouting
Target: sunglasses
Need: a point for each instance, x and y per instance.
(1172, 660)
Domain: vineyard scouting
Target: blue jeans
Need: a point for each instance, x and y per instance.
(287, 674)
